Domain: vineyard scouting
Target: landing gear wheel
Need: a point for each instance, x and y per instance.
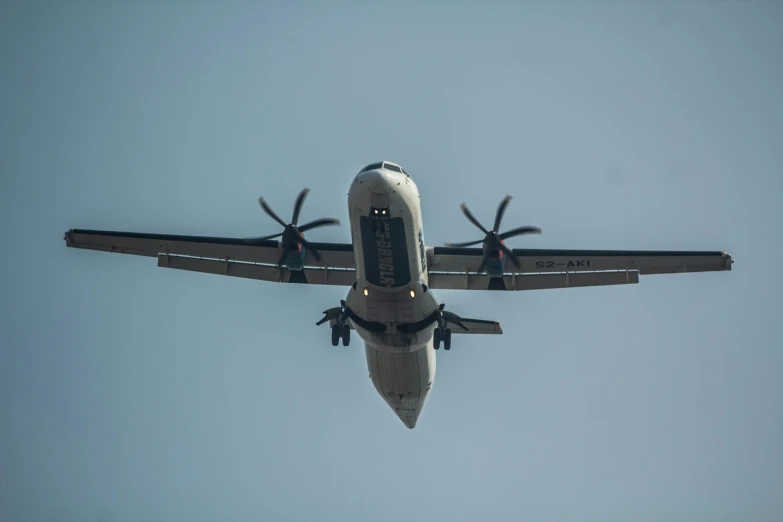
(346, 334)
(436, 337)
(447, 339)
(335, 335)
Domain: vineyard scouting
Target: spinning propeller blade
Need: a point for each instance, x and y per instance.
(493, 240)
(293, 235)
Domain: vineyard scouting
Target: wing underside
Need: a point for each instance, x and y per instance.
(456, 268)
(247, 258)
(449, 268)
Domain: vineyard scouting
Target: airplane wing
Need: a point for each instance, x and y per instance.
(455, 268)
(249, 258)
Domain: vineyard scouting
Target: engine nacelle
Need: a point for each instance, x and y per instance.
(295, 258)
(496, 262)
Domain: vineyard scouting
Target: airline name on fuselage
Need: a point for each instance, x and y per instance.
(385, 254)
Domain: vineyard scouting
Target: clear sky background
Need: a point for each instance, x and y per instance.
(132, 393)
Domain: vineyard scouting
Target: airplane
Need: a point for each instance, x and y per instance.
(391, 275)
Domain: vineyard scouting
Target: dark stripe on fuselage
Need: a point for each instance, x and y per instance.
(385, 251)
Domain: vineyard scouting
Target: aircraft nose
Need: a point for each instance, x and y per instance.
(376, 181)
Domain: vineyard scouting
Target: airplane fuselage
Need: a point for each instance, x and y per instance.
(391, 288)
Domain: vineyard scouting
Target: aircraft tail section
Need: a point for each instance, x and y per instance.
(403, 380)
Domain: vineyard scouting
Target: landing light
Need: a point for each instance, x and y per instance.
(366, 291)
(413, 292)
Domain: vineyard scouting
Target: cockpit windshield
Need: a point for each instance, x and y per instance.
(373, 166)
(392, 166)
(384, 165)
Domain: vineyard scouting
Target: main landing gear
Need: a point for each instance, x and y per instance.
(442, 334)
(338, 316)
(341, 332)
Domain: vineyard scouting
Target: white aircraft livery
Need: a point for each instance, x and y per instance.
(391, 275)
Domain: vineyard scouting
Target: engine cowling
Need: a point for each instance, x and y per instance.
(496, 261)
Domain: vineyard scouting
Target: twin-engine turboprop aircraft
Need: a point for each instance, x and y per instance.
(390, 274)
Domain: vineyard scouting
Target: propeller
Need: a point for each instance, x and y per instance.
(293, 234)
(493, 240)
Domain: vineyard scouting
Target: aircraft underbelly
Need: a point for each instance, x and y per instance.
(391, 276)
(403, 379)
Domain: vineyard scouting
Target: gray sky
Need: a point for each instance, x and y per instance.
(130, 393)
